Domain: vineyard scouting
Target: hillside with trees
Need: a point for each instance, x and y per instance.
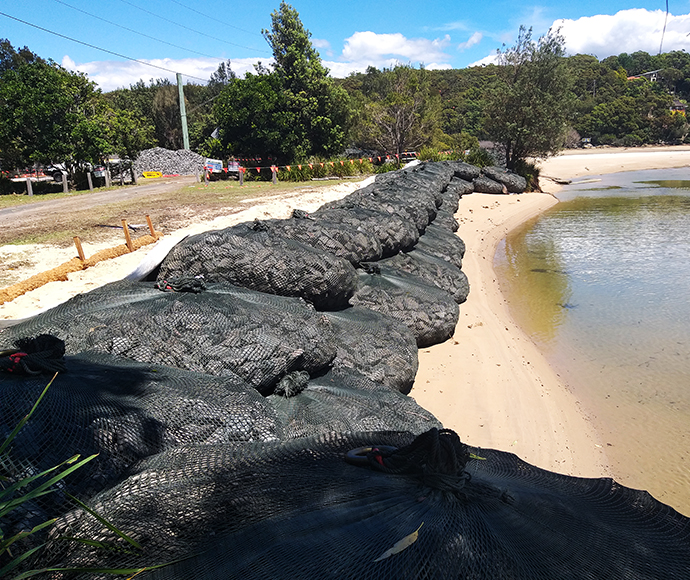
(532, 103)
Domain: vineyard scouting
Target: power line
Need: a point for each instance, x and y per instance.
(205, 14)
(135, 31)
(663, 32)
(190, 29)
(99, 48)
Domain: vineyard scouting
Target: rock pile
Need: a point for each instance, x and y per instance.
(181, 162)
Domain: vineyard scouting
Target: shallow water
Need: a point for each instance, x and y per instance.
(601, 282)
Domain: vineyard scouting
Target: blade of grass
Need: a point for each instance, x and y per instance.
(107, 524)
(23, 422)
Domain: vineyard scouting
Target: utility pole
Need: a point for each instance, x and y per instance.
(183, 112)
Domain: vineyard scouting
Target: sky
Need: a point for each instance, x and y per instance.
(118, 42)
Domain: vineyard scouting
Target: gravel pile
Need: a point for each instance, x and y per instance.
(181, 162)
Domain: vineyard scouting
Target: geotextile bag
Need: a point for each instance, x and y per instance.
(429, 312)
(263, 261)
(223, 331)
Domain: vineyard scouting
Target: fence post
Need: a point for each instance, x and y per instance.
(241, 170)
(108, 179)
(274, 171)
(65, 187)
(29, 187)
(88, 178)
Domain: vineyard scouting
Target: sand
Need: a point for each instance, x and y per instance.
(489, 382)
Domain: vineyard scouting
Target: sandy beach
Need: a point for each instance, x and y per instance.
(489, 382)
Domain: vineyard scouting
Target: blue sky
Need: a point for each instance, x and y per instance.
(192, 38)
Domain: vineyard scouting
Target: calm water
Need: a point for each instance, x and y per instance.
(601, 282)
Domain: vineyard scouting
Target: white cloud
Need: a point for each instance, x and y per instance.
(626, 31)
(369, 48)
(322, 44)
(110, 75)
(476, 38)
(490, 59)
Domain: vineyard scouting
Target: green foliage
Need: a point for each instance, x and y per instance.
(318, 168)
(314, 113)
(51, 115)
(529, 106)
(400, 112)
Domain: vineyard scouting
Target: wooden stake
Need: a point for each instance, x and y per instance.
(29, 188)
(80, 250)
(148, 221)
(128, 238)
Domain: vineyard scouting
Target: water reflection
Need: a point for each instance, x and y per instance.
(536, 280)
(600, 282)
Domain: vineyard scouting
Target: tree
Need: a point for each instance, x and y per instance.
(49, 114)
(528, 108)
(253, 118)
(401, 113)
(318, 108)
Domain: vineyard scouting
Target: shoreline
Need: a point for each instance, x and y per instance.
(490, 383)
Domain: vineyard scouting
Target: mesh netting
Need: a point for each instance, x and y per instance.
(339, 239)
(465, 171)
(123, 411)
(377, 346)
(224, 331)
(392, 231)
(442, 243)
(263, 261)
(389, 197)
(432, 270)
(446, 220)
(398, 507)
(428, 311)
(460, 187)
(344, 401)
(451, 199)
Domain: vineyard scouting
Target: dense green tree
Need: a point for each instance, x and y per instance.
(528, 109)
(253, 118)
(49, 115)
(318, 107)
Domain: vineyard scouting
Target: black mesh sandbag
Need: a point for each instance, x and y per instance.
(483, 184)
(122, 411)
(432, 270)
(263, 261)
(429, 312)
(344, 401)
(393, 232)
(397, 508)
(465, 171)
(377, 346)
(339, 239)
(460, 187)
(419, 207)
(224, 331)
(451, 199)
(442, 243)
(446, 220)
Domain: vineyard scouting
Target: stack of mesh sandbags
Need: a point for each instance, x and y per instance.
(429, 312)
(223, 331)
(376, 345)
(120, 412)
(262, 260)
